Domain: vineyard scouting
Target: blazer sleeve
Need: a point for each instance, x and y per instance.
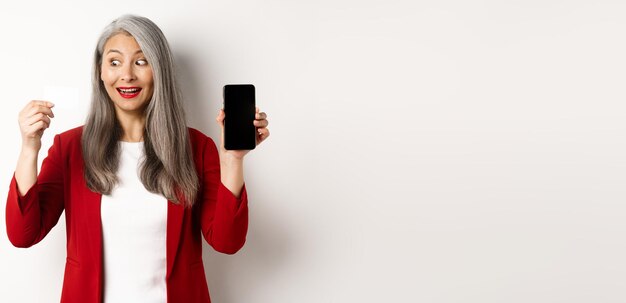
(29, 218)
(223, 217)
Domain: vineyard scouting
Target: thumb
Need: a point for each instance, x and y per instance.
(220, 121)
(220, 117)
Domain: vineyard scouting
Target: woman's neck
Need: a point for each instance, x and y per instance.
(132, 127)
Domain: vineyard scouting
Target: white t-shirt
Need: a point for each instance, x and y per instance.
(134, 228)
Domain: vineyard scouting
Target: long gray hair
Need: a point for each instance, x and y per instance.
(167, 168)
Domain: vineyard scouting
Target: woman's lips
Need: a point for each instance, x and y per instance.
(129, 92)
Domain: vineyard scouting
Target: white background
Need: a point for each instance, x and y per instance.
(421, 151)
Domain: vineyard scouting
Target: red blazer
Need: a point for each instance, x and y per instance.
(217, 215)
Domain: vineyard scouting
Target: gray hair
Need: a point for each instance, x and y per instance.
(167, 168)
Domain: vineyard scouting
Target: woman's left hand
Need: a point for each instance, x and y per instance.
(262, 132)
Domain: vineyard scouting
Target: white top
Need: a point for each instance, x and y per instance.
(134, 228)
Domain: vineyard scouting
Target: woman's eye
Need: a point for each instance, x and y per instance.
(115, 63)
(141, 62)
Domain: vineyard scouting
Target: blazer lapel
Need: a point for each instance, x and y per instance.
(92, 202)
(175, 215)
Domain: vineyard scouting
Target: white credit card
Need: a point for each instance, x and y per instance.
(64, 98)
(66, 107)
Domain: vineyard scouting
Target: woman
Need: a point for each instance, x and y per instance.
(138, 187)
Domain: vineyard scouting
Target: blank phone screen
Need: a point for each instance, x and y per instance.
(239, 107)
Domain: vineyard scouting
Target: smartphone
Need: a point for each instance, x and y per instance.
(240, 109)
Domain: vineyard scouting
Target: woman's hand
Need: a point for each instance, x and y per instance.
(34, 119)
(231, 161)
(260, 122)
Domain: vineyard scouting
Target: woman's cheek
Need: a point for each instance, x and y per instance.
(107, 76)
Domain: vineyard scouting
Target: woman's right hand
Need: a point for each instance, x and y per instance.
(33, 120)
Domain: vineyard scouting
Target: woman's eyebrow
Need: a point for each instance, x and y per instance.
(119, 52)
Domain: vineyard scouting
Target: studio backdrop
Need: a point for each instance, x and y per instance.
(420, 151)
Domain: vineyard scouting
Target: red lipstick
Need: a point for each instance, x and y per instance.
(129, 92)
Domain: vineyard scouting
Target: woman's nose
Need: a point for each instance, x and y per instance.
(128, 73)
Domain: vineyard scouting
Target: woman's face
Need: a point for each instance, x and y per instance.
(127, 75)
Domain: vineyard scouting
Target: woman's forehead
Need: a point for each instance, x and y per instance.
(122, 43)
